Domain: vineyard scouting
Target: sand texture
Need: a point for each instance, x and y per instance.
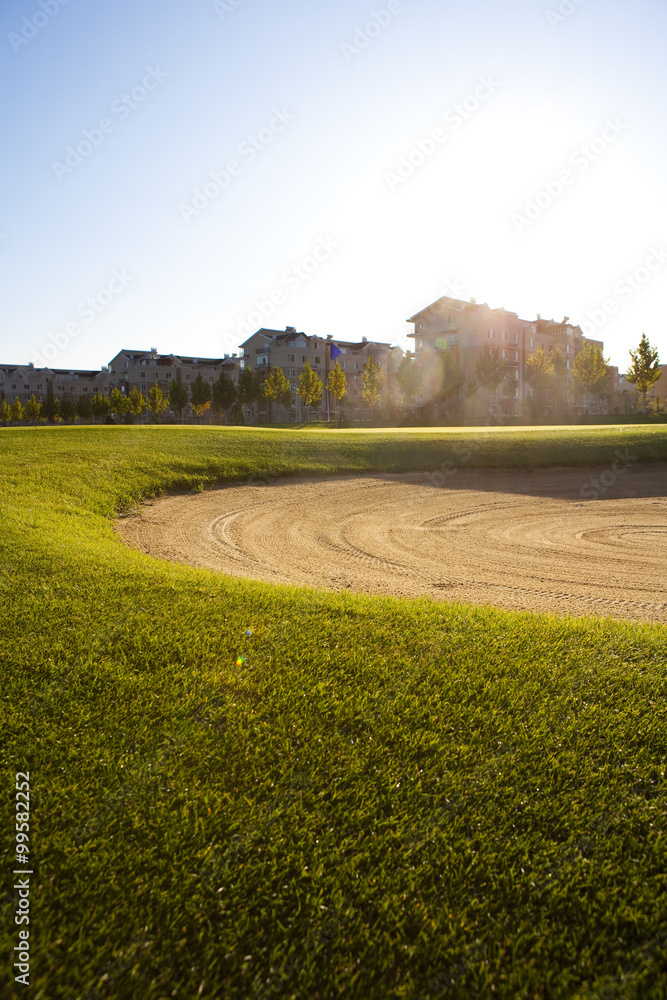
(521, 540)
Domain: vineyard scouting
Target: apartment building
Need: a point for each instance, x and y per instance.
(451, 334)
(142, 370)
(23, 381)
(290, 350)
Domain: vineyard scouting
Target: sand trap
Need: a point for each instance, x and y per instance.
(514, 539)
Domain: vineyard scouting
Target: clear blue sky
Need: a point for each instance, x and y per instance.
(333, 113)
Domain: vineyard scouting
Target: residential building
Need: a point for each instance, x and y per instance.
(143, 369)
(450, 336)
(23, 381)
(290, 350)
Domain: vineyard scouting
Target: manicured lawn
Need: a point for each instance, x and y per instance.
(240, 790)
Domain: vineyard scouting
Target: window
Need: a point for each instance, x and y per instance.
(516, 373)
(303, 358)
(420, 344)
(531, 342)
(143, 375)
(14, 385)
(504, 354)
(317, 361)
(291, 373)
(342, 364)
(61, 388)
(39, 386)
(516, 338)
(187, 377)
(450, 319)
(25, 386)
(290, 357)
(356, 365)
(492, 335)
(210, 378)
(504, 335)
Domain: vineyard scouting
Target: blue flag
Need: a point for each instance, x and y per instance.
(334, 352)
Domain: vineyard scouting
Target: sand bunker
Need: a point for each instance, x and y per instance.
(514, 539)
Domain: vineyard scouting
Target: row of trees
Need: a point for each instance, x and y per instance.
(222, 397)
(545, 373)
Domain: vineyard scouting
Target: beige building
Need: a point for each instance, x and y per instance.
(290, 350)
(143, 369)
(23, 381)
(451, 334)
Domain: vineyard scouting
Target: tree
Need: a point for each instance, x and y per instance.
(200, 396)
(84, 408)
(337, 386)
(310, 387)
(33, 410)
(539, 375)
(223, 394)
(250, 388)
(590, 369)
(135, 403)
(51, 409)
(277, 388)
(408, 378)
(67, 408)
(644, 371)
(5, 412)
(100, 405)
(490, 370)
(118, 403)
(372, 380)
(16, 410)
(155, 401)
(177, 397)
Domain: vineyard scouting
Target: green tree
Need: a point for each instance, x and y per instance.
(540, 376)
(408, 378)
(490, 370)
(310, 387)
(5, 412)
(372, 380)
(155, 401)
(135, 403)
(118, 403)
(200, 396)
(177, 397)
(644, 371)
(250, 388)
(84, 408)
(591, 370)
(337, 386)
(67, 408)
(100, 405)
(51, 409)
(17, 410)
(278, 389)
(33, 410)
(223, 393)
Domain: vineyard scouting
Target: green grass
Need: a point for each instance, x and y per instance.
(385, 799)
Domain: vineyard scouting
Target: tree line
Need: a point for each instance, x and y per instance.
(224, 397)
